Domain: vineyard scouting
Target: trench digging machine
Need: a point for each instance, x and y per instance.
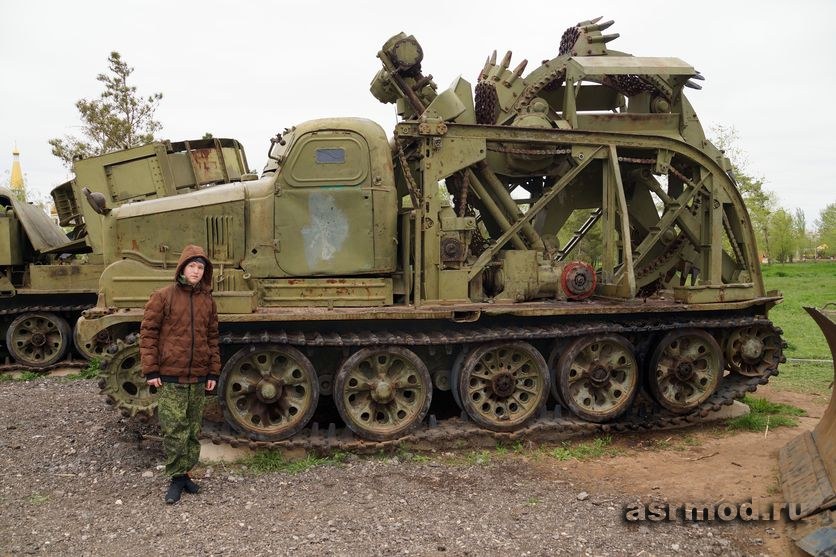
(432, 287)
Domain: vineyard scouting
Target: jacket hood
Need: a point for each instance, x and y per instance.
(189, 252)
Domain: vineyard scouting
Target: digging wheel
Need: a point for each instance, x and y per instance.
(598, 376)
(38, 339)
(121, 380)
(754, 350)
(383, 392)
(502, 386)
(268, 392)
(685, 369)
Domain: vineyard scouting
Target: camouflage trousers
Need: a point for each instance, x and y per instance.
(180, 411)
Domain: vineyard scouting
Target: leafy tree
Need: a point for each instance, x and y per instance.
(590, 247)
(118, 119)
(805, 245)
(759, 201)
(783, 234)
(826, 224)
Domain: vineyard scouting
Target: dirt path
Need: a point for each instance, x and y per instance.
(73, 480)
(701, 465)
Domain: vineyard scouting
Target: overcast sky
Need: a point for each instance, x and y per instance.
(249, 69)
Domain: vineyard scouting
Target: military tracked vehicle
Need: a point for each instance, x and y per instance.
(49, 272)
(435, 285)
(43, 287)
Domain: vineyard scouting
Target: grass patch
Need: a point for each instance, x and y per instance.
(775, 487)
(762, 413)
(601, 446)
(89, 372)
(802, 284)
(691, 441)
(503, 449)
(38, 499)
(804, 377)
(264, 462)
(478, 458)
(408, 456)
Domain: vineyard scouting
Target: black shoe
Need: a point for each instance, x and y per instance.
(189, 486)
(178, 483)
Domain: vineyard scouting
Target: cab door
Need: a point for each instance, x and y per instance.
(324, 219)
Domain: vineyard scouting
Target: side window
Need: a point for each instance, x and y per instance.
(328, 159)
(325, 155)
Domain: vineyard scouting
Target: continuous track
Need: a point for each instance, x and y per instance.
(456, 432)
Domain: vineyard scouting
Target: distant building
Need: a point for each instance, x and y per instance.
(16, 182)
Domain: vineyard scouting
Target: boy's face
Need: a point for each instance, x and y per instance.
(193, 272)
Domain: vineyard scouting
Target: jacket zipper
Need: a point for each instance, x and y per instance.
(191, 313)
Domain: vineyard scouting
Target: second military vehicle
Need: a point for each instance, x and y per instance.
(49, 271)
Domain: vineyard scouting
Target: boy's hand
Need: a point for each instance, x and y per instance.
(210, 384)
(156, 382)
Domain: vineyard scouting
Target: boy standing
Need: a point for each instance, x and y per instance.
(180, 356)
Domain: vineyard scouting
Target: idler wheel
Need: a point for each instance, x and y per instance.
(382, 393)
(754, 350)
(685, 369)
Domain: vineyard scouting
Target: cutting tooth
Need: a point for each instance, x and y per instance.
(604, 38)
(516, 73)
(699, 76)
(595, 26)
(486, 68)
(506, 61)
(691, 85)
(520, 68)
(492, 59)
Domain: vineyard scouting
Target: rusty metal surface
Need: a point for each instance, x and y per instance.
(12, 367)
(808, 463)
(592, 307)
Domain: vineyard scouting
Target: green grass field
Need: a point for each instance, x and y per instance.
(802, 284)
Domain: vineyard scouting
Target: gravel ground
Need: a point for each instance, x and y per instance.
(75, 481)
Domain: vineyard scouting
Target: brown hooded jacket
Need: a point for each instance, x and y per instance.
(179, 332)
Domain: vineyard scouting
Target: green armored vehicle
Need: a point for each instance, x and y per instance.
(437, 272)
(49, 271)
(43, 287)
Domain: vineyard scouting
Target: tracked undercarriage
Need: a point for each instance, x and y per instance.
(39, 337)
(445, 352)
